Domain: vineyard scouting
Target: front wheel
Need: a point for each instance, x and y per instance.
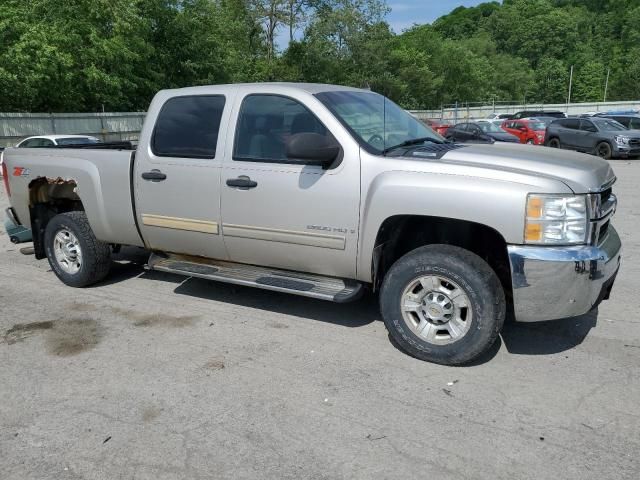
(443, 304)
(554, 143)
(76, 256)
(603, 150)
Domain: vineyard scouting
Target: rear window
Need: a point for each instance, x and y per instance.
(188, 127)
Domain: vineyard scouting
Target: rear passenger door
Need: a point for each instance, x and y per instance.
(569, 132)
(587, 138)
(177, 176)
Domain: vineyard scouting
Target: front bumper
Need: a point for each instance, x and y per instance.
(17, 233)
(559, 282)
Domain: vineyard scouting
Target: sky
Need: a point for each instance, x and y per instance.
(404, 13)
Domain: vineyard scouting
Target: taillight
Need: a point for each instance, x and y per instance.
(5, 174)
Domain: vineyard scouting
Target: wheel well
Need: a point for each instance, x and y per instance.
(400, 234)
(47, 198)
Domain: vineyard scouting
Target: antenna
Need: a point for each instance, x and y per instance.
(384, 122)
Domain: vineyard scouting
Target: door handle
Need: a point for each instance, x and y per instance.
(242, 181)
(154, 175)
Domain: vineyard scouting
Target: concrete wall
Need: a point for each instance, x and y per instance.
(109, 126)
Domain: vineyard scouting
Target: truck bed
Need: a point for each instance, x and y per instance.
(100, 178)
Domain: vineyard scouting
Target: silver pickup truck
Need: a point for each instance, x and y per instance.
(323, 191)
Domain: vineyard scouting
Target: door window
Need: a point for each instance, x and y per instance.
(570, 123)
(266, 123)
(588, 126)
(188, 127)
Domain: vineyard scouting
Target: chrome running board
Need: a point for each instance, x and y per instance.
(308, 285)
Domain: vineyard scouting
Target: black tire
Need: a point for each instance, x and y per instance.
(604, 150)
(554, 143)
(96, 255)
(473, 275)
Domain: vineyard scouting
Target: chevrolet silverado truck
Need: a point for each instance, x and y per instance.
(324, 191)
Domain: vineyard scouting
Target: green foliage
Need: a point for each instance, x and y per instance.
(85, 55)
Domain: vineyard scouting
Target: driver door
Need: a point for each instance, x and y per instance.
(282, 213)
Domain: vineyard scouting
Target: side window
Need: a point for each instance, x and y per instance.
(634, 123)
(571, 123)
(265, 124)
(587, 126)
(188, 127)
(46, 143)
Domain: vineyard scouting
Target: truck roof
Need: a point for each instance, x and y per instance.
(264, 86)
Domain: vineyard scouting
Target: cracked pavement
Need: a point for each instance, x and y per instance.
(155, 376)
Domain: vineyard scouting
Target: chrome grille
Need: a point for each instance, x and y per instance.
(603, 206)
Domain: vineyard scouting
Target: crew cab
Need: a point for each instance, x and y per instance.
(324, 191)
(527, 130)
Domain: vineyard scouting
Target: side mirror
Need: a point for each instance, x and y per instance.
(312, 149)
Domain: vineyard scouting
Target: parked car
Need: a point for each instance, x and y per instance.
(499, 116)
(599, 136)
(494, 121)
(49, 141)
(617, 112)
(630, 121)
(438, 126)
(323, 191)
(546, 120)
(529, 131)
(480, 132)
(538, 113)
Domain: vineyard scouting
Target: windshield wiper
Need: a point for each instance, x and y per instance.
(408, 143)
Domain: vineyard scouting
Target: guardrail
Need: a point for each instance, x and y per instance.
(465, 111)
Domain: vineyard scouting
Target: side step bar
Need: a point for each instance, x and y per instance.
(308, 285)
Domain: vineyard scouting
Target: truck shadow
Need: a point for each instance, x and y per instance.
(538, 338)
(355, 314)
(545, 338)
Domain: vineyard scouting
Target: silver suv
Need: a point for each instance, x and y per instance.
(599, 136)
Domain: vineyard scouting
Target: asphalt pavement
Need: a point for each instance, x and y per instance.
(155, 376)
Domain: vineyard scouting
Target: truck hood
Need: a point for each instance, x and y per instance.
(582, 173)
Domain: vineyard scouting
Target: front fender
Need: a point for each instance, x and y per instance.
(498, 204)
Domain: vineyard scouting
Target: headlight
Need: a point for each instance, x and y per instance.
(621, 140)
(556, 219)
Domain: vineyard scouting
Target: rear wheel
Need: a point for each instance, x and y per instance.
(603, 150)
(443, 304)
(554, 143)
(75, 255)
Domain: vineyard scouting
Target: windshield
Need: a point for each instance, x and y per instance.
(490, 128)
(609, 125)
(375, 121)
(537, 125)
(77, 141)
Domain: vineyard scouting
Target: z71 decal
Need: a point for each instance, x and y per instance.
(21, 172)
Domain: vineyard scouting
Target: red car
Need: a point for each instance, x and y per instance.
(527, 130)
(439, 127)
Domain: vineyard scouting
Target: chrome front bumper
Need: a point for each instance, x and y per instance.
(559, 282)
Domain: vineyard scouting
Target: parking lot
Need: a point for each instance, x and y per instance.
(154, 376)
